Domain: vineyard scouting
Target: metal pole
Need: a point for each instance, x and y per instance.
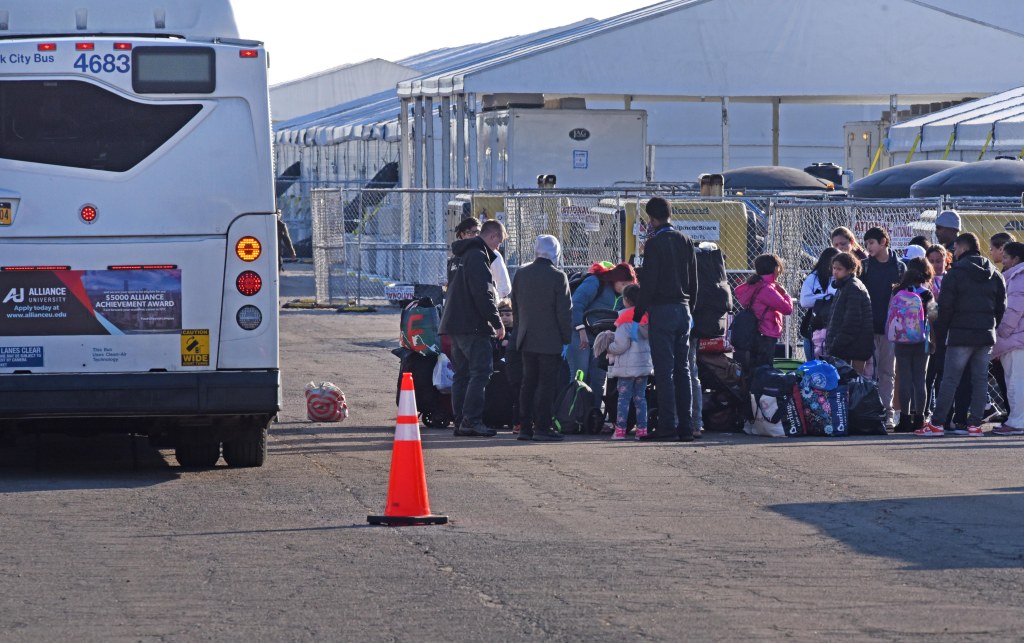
(775, 130)
(474, 149)
(725, 133)
(495, 155)
(460, 141)
(446, 142)
(403, 148)
(417, 149)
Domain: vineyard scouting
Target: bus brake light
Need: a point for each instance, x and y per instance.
(249, 283)
(122, 46)
(89, 213)
(249, 53)
(248, 249)
(85, 46)
(47, 46)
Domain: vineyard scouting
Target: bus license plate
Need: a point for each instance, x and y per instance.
(6, 217)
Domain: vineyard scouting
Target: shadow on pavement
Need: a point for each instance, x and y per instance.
(61, 462)
(951, 532)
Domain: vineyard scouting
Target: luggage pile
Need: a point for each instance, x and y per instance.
(820, 398)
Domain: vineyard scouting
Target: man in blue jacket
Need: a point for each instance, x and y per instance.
(472, 322)
(668, 287)
(882, 271)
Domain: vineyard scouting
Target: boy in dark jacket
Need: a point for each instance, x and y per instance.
(882, 271)
(471, 321)
(971, 304)
(668, 288)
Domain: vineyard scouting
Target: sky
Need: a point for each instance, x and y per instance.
(307, 36)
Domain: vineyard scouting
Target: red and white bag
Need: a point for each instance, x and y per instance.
(325, 402)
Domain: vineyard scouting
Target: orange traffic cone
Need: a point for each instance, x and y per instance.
(407, 488)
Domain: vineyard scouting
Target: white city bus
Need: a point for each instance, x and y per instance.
(138, 241)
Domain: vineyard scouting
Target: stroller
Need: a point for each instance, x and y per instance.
(598, 321)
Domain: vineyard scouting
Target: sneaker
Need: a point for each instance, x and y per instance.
(930, 430)
(641, 434)
(620, 433)
(975, 431)
(478, 431)
(1007, 430)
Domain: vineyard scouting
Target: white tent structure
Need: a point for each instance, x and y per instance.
(336, 86)
(980, 129)
(792, 55)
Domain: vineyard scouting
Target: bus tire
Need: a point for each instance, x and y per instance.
(197, 455)
(248, 449)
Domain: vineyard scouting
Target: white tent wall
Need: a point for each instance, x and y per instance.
(687, 137)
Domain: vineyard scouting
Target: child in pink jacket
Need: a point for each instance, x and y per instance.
(769, 301)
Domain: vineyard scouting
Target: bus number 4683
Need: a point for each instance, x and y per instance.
(108, 63)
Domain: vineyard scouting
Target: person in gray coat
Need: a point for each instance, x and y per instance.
(541, 306)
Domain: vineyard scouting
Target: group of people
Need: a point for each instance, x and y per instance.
(546, 330)
(927, 324)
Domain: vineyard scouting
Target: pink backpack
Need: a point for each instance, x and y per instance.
(907, 322)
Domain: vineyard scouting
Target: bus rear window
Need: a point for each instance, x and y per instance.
(174, 70)
(76, 124)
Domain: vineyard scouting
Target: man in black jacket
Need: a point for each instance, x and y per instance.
(668, 287)
(471, 320)
(541, 306)
(971, 305)
(882, 271)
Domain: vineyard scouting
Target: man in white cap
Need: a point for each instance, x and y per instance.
(947, 229)
(541, 306)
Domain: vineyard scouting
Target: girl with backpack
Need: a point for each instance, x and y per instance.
(769, 302)
(598, 289)
(817, 287)
(908, 326)
(850, 333)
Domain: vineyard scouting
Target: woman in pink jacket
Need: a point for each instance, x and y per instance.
(1009, 348)
(769, 301)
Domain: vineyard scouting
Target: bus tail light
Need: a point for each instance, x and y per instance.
(249, 283)
(89, 213)
(249, 317)
(249, 53)
(85, 46)
(122, 46)
(248, 249)
(47, 46)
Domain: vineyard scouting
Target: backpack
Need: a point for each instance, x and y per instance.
(573, 406)
(715, 299)
(420, 324)
(577, 278)
(907, 322)
(746, 326)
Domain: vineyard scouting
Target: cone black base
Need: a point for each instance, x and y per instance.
(407, 521)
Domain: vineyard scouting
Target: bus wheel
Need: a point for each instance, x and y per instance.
(197, 455)
(248, 448)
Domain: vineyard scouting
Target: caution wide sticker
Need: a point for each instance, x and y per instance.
(195, 347)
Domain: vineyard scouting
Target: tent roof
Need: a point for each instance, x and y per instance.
(377, 115)
(337, 86)
(984, 178)
(894, 182)
(756, 50)
(969, 125)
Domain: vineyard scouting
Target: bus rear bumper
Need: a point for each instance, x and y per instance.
(198, 394)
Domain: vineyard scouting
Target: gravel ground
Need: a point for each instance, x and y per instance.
(728, 538)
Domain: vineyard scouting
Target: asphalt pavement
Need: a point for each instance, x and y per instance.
(728, 538)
